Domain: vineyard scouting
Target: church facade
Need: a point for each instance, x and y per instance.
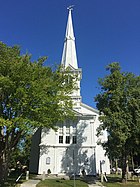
(74, 147)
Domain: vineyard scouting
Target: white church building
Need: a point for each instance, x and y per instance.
(74, 147)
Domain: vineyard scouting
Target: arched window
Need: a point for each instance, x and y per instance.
(48, 160)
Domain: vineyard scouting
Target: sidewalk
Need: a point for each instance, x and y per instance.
(97, 184)
(30, 183)
(94, 185)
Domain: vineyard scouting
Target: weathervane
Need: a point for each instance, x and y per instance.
(70, 7)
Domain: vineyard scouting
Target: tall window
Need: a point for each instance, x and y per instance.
(60, 139)
(60, 130)
(74, 129)
(67, 139)
(68, 129)
(74, 139)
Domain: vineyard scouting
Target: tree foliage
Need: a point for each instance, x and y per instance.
(31, 96)
(21, 152)
(119, 106)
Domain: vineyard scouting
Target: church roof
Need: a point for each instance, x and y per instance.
(90, 108)
(69, 57)
(85, 111)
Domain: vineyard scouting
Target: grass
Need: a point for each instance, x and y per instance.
(11, 182)
(115, 181)
(61, 183)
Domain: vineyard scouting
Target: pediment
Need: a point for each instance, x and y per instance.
(85, 111)
(89, 108)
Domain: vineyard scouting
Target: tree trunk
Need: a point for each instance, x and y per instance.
(5, 154)
(124, 165)
(132, 162)
(8, 142)
(4, 166)
(1, 170)
(127, 169)
(116, 166)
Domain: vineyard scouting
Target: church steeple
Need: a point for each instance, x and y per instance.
(69, 57)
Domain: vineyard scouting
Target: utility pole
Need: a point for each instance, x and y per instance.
(74, 169)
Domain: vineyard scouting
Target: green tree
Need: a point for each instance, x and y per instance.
(31, 96)
(119, 106)
(21, 152)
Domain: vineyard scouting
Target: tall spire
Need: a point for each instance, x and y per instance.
(69, 57)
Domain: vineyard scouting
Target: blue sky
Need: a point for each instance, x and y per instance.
(105, 31)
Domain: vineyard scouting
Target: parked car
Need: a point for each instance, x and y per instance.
(137, 171)
(119, 170)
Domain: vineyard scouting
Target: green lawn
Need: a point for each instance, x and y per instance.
(115, 181)
(11, 182)
(117, 184)
(61, 183)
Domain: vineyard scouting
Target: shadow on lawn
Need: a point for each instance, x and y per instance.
(11, 182)
(63, 182)
(114, 179)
